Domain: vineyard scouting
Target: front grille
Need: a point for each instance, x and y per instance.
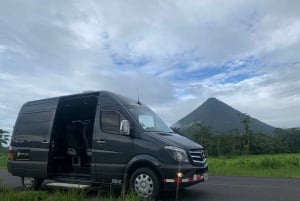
(197, 156)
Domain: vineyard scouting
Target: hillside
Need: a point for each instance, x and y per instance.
(220, 118)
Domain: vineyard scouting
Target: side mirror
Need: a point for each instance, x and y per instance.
(125, 127)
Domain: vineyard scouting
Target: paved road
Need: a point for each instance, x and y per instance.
(220, 189)
(243, 189)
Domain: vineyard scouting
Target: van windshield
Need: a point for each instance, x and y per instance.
(148, 120)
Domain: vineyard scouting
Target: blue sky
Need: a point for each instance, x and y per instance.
(177, 53)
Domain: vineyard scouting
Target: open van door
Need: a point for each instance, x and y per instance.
(31, 139)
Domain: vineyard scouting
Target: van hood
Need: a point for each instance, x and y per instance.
(174, 139)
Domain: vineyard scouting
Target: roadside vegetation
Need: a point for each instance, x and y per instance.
(250, 153)
(3, 157)
(3, 161)
(235, 143)
(278, 165)
(4, 138)
(61, 195)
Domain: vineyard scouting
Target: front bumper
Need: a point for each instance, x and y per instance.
(190, 175)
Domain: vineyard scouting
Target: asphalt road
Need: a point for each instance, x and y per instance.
(221, 188)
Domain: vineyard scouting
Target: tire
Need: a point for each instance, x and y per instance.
(144, 182)
(30, 183)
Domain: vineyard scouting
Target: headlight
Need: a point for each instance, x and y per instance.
(177, 153)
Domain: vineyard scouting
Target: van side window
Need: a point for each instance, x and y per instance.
(34, 125)
(110, 121)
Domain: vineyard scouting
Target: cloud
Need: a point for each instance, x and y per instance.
(177, 53)
(263, 97)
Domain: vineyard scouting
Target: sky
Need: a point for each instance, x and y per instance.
(177, 53)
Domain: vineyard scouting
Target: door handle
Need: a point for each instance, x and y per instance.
(45, 142)
(100, 141)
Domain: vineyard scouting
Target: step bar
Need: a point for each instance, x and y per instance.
(68, 185)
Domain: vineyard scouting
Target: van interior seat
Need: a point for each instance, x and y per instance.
(74, 141)
(87, 134)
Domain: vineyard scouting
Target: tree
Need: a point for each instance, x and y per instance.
(3, 137)
(202, 135)
(287, 140)
(246, 121)
(261, 143)
(235, 144)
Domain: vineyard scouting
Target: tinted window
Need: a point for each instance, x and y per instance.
(35, 117)
(34, 124)
(110, 121)
(40, 129)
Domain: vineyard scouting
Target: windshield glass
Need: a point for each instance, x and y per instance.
(148, 120)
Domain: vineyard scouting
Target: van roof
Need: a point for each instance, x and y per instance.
(121, 99)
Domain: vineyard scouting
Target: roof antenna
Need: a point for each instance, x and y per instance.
(138, 102)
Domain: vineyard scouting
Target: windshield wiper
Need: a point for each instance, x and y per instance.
(163, 133)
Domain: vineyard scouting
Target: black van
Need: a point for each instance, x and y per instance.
(101, 138)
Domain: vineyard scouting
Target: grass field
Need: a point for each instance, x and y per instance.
(3, 158)
(279, 165)
(3, 161)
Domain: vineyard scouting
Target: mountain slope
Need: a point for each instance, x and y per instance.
(221, 118)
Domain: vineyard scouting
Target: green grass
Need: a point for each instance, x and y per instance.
(279, 165)
(112, 197)
(3, 161)
(10, 195)
(60, 195)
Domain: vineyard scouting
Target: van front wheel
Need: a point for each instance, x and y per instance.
(30, 183)
(144, 183)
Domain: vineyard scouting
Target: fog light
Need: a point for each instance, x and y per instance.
(179, 174)
(205, 175)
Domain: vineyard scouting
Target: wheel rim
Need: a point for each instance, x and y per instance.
(143, 185)
(28, 182)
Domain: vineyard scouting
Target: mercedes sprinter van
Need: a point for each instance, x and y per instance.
(101, 138)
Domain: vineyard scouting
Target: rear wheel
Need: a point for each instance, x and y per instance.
(30, 183)
(144, 182)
